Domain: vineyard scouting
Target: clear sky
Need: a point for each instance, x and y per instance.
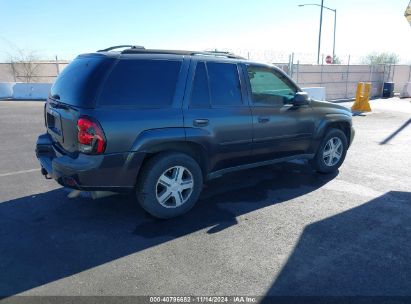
(67, 28)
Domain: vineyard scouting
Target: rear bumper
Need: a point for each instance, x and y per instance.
(111, 172)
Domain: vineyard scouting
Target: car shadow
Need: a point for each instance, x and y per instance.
(47, 237)
(365, 251)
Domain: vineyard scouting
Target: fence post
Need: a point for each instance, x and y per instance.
(298, 68)
(389, 73)
(370, 80)
(14, 71)
(321, 70)
(346, 78)
(383, 80)
(57, 66)
(393, 73)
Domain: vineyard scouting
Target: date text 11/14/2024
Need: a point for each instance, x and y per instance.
(203, 299)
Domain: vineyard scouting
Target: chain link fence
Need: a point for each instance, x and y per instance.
(339, 80)
(36, 71)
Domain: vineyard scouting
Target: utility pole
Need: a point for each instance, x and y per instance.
(319, 35)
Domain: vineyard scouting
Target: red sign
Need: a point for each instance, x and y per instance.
(328, 59)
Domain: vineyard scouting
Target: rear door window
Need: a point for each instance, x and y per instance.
(141, 83)
(225, 89)
(78, 82)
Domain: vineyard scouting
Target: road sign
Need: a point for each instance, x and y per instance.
(407, 13)
(328, 59)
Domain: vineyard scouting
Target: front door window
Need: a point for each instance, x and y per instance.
(268, 88)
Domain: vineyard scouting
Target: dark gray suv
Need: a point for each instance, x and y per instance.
(160, 122)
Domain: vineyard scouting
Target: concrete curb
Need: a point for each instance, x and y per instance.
(17, 100)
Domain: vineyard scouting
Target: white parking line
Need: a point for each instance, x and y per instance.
(19, 172)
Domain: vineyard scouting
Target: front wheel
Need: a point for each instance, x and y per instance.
(169, 185)
(331, 153)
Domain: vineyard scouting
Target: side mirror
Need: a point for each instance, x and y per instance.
(300, 99)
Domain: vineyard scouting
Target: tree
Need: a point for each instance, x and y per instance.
(381, 58)
(24, 65)
(336, 60)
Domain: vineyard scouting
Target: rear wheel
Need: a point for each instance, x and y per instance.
(169, 184)
(331, 153)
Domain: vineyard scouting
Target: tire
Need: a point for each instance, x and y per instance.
(328, 159)
(169, 184)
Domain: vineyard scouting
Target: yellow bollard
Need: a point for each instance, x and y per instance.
(366, 98)
(360, 88)
(362, 99)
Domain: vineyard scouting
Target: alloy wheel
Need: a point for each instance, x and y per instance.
(174, 187)
(333, 151)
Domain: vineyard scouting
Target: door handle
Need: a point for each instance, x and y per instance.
(200, 122)
(263, 119)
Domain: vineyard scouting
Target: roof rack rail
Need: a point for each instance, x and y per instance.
(218, 53)
(179, 52)
(137, 47)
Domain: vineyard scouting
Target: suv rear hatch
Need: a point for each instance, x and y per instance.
(73, 93)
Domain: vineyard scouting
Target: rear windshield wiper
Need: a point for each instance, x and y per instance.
(56, 104)
(59, 106)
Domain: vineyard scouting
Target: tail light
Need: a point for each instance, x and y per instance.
(90, 137)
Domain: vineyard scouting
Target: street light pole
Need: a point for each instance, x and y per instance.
(321, 21)
(335, 25)
(319, 35)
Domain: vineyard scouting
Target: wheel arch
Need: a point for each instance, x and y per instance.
(192, 149)
(341, 122)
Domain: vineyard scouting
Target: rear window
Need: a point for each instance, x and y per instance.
(141, 83)
(79, 81)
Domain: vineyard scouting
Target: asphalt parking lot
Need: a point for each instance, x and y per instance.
(278, 230)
